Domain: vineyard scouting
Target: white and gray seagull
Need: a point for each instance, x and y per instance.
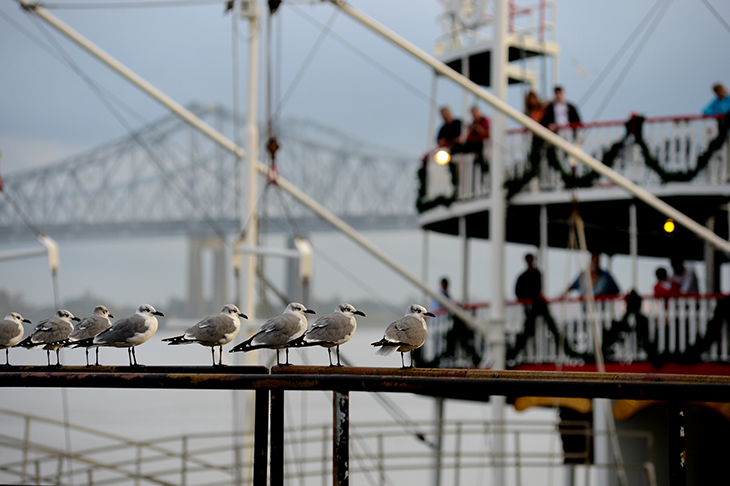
(130, 331)
(51, 334)
(11, 332)
(332, 330)
(213, 331)
(83, 334)
(405, 334)
(278, 332)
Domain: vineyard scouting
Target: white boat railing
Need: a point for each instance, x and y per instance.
(682, 329)
(675, 142)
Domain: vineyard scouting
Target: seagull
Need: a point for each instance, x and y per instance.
(130, 331)
(213, 331)
(11, 332)
(405, 334)
(84, 332)
(278, 332)
(51, 334)
(332, 330)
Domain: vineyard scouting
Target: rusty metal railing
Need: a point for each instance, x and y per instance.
(457, 383)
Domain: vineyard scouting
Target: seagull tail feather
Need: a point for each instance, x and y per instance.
(177, 340)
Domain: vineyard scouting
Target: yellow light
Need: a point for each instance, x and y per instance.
(669, 225)
(442, 157)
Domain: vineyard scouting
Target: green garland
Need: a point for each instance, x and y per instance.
(679, 176)
(634, 127)
(424, 205)
(621, 329)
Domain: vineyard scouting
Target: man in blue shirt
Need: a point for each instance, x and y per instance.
(721, 104)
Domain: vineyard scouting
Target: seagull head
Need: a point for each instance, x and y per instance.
(66, 315)
(419, 311)
(348, 309)
(14, 316)
(101, 310)
(230, 309)
(297, 308)
(148, 309)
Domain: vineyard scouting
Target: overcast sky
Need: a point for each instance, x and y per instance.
(47, 112)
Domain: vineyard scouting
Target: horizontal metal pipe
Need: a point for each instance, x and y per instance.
(460, 384)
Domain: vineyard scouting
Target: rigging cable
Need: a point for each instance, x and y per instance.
(367, 58)
(120, 5)
(629, 64)
(619, 54)
(306, 63)
(716, 14)
(194, 203)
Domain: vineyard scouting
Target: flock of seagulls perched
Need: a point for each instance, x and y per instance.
(289, 329)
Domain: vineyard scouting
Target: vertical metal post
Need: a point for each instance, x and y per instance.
(184, 465)
(542, 260)
(325, 437)
(634, 246)
(138, 466)
(341, 438)
(439, 433)
(26, 445)
(457, 455)
(277, 438)
(464, 259)
(677, 454)
(381, 461)
(261, 437)
(250, 195)
(497, 228)
(424, 260)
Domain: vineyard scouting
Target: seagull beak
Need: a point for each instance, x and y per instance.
(77, 319)
(241, 314)
(430, 314)
(27, 320)
(359, 313)
(158, 313)
(110, 316)
(309, 311)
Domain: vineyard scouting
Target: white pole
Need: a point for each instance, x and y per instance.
(497, 227)
(634, 246)
(248, 299)
(538, 129)
(464, 259)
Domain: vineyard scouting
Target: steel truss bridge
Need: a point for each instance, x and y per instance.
(168, 179)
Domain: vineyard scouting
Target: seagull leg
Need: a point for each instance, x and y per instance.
(412, 360)
(48, 356)
(277, 358)
(402, 362)
(134, 355)
(87, 356)
(7, 357)
(329, 355)
(212, 353)
(97, 356)
(58, 356)
(338, 356)
(220, 355)
(129, 354)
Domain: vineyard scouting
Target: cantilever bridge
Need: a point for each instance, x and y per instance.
(168, 179)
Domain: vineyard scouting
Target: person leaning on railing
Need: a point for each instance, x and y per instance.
(721, 104)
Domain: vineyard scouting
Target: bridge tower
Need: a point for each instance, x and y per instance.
(197, 246)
